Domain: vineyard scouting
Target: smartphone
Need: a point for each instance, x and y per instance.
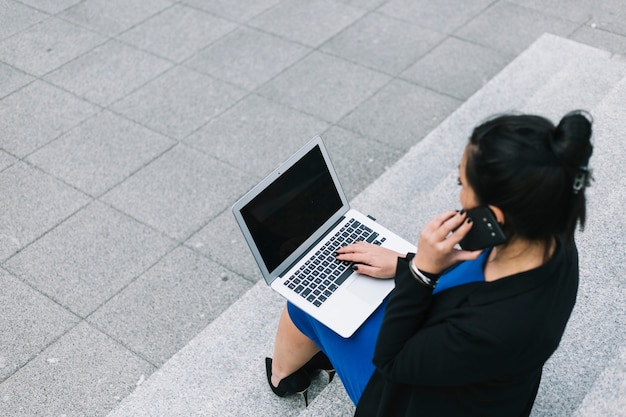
(485, 232)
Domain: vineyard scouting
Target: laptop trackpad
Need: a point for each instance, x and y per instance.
(367, 289)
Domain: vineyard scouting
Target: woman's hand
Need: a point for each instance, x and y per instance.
(370, 259)
(436, 249)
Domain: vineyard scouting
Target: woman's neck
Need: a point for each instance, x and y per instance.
(517, 256)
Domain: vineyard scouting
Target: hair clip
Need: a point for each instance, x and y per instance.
(580, 179)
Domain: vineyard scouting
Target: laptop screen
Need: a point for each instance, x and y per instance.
(292, 208)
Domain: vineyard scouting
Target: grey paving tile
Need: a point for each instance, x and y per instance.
(30, 322)
(180, 192)
(85, 373)
(256, 135)
(358, 160)
(108, 72)
(324, 86)
(6, 160)
(166, 307)
(575, 10)
(51, 6)
(443, 16)
(364, 4)
(50, 44)
(37, 114)
(178, 102)
(247, 57)
(600, 39)
(113, 16)
(457, 68)
(240, 11)
(610, 15)
(100, 153)
(400, 115)
(11, 79)
(32, 203)
(16, 17)
(89, 258)
(510, 28)
(178, 32)
(293, 20)
(383, 43)
(222, 241)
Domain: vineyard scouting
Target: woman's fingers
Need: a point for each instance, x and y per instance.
(436, 223)
(437, 244)
(370, 259)
(442, 228)
(355, 252)
(371, 271)
(461, 227)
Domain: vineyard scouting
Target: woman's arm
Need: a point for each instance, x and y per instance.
(455, 351)
(407, 352)
(437, 249)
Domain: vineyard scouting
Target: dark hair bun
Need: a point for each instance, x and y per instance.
(572, 140)
(520, 162)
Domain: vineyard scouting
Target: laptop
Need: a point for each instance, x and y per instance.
(294, 220)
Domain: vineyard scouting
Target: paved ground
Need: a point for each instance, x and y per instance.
(130, 127)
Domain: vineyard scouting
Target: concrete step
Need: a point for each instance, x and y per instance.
(596, 331)
(608, 394)
(220, 372)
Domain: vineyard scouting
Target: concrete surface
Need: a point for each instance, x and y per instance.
(129, 127)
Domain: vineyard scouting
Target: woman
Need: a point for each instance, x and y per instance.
(464, 333)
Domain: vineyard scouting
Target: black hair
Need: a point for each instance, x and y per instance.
(534, 172)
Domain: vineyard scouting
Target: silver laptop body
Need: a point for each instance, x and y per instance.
(294, 220)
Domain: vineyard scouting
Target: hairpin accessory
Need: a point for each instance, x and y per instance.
(581, 179)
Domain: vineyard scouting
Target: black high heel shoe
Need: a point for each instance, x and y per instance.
(320, 362)
(296, 383)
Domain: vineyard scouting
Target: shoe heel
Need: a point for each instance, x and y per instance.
(320, 362)
(296, 383)
(331, 375)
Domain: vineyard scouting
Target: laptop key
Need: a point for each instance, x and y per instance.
(372, 237)
(322, 275)
(341, 278)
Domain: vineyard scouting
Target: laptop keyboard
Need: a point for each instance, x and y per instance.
(320, 276)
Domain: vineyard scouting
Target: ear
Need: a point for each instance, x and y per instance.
(498, 213)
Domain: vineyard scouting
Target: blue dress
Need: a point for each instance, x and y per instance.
(352, 357)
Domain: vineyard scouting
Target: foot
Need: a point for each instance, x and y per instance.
(296, 383)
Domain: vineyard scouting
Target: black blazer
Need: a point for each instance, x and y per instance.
(473, 350)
